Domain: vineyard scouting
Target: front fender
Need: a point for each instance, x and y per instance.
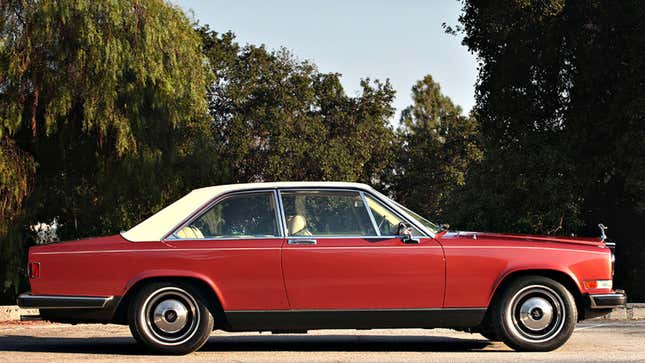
(559, 272)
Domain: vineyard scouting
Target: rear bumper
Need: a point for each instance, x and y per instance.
(28, 300)
(71, 309)
(607, 301)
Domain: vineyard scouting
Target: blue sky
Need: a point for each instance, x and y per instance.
(399, 40)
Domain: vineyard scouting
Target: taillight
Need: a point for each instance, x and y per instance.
(33, 270)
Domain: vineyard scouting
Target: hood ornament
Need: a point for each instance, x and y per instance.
(603, 236)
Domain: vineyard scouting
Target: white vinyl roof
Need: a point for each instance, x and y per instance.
(163, 222)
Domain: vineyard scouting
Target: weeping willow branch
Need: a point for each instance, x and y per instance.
(17, 170)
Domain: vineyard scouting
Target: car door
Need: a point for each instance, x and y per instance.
(235, 243)
(340, 255)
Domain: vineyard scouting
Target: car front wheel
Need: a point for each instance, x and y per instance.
(170, 318)
(535, 313)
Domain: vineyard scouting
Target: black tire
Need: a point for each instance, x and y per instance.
(486, 328)
(170, 318)
(535, 313)
(490, 335)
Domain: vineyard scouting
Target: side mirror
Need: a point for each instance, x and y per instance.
(406, 234)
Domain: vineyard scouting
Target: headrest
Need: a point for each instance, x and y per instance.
(296, 224)
(190, 232)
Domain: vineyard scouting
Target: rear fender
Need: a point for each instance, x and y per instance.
(175, 273)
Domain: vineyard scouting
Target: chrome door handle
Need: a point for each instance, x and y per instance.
(302, 242)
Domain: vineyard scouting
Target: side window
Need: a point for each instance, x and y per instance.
(326, 213)
(386, 220)
(241, 215)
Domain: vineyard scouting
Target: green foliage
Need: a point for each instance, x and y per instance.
(521, 103)
(102, 64)
(438, 145)
(108, 99)
(278, 118)
(16, 181)
(558, 99)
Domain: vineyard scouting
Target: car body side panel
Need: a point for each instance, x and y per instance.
(476, 267)
(357, 273)
(246, 274)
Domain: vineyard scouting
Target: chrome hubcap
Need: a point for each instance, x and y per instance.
(537, 313)
(170, 316)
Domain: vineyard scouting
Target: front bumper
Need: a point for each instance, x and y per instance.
(607, 301)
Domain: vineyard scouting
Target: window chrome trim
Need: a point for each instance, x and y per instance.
(245, 238)
(349, 237)
(317, 189)
(276, 212)
(172, 236)
(372, 193)
(369, 211)
(407, 219)
(284, 232)
(283, 225)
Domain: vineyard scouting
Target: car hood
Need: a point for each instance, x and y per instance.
(587, 241)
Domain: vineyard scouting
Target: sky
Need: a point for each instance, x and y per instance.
(400, 40)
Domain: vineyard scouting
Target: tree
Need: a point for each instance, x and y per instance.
(438, 145)
(16, 181)
(561, 120)
(106, 99)
(277, 118)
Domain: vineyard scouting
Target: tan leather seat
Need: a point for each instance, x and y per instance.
(190, 232)
(298, 226)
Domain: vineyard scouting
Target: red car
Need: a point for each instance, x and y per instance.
(289, 257)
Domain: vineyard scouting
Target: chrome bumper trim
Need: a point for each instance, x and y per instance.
(27, 300)
(31, 318)
(608, 301)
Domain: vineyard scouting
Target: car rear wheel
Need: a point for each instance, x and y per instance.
(170, 318)
(535, 313)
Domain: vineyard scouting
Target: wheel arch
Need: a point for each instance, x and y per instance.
(204, 285)
(567, 279)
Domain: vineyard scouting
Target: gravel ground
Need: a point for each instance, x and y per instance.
(594, 341)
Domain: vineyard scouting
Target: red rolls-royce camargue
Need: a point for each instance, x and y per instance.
(294, 256)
